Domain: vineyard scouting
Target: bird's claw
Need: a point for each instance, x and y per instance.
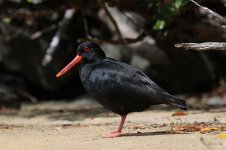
(112, 134)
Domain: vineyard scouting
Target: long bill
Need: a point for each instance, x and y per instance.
(74, 62)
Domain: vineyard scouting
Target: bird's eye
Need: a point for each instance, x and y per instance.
(86, 49)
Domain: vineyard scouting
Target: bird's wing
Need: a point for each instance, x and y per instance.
(130, 79)
(134, 76)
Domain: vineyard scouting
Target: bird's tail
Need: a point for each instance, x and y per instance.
(179, 103)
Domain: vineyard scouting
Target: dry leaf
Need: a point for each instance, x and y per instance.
(198, 127)
(209, 129)
(187, 128)
(222, 136)
(4, 126)
(180, 113)
(139, 126)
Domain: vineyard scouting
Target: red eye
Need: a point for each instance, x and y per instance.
(86, 49)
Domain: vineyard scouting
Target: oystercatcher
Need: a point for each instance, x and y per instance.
(117, 86)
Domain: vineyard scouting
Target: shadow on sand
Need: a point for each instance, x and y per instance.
(151, 133)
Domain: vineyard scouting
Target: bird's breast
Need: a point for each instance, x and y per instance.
(99, 82)
(91, 79)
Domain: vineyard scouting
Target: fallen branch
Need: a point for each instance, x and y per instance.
(56, 38)
(210, 11)
(202, 46)
(126, 40)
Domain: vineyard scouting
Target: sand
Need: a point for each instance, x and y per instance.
(80, 125)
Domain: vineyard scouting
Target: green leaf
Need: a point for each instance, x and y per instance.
(178, 3)
(172, 10)
(30, 1)
(159, 25)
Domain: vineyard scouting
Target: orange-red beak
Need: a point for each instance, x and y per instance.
(74, 62)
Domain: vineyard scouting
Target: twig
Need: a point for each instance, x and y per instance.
(114, 23)
(119, 41)
(145, 31)
(126, 40)
(205, 45)
(210, 11)
(202, 46)
(205, 144)
(56, 38)
(38, 34)
(28, 96)
(137, 39)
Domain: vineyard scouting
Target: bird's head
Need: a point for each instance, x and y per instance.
(87, 52)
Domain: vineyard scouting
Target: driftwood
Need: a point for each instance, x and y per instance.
(203, 46)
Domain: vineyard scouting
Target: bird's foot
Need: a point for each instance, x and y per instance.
(112, 134)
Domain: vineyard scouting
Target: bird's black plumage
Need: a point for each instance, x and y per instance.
(120, 87)
(117, 86)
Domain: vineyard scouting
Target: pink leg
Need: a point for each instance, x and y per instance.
(117, 132)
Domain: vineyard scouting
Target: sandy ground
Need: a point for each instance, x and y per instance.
(81, 124)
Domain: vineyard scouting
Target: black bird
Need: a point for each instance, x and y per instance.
(117, 86)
